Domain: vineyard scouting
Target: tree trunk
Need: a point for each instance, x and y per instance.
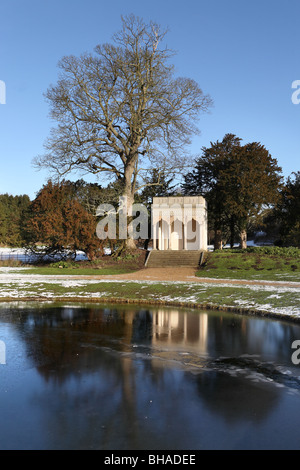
(243, 239)
(232, 232)
(130, 244)
(218, 240)
(129, 191)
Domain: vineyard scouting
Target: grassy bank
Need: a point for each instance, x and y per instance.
(79, 271)
(268, 263)
(107, 265)
(281, 301)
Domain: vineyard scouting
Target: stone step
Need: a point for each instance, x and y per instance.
(169, 258)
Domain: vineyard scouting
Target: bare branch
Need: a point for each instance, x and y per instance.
(121, 110)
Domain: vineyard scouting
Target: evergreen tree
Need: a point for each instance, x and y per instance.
(206, 179)
(288, 211)
(60, 224)
(13, 213)
(237, 181)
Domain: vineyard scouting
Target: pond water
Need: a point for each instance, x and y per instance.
(121, 377)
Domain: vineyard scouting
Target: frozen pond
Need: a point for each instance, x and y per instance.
(89, 376)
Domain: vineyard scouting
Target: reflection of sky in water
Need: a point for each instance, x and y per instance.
(129, 378)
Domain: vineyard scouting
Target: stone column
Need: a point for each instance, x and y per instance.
(159, 236)
(184, 227)
(154, 234)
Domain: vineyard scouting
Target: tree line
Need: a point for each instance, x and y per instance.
(242, 184)
(62, 217)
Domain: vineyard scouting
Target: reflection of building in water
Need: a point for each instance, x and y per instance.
(168, 326)
(180, 328)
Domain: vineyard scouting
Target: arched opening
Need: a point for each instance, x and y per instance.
(193, 235)
(176, 239)
(163, 235)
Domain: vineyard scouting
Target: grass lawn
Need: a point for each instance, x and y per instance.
(276, 301)
(106, 265)
(272, 264)
(77, 271)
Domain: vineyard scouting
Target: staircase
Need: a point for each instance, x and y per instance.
(174, 258)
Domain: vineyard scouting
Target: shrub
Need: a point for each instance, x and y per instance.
(290, 251)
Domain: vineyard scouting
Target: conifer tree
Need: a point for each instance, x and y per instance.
(59, 224)
(237, 181)
(288, 211)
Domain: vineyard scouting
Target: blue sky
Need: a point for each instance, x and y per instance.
(244, 54)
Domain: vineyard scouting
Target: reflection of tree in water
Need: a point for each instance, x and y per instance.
(228, 392)
(236, 399)
(67, 338)
(232, 335)
(84, 355)
(88, 357)
(142, 327)
(61, 341)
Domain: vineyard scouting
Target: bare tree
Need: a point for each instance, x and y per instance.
(121, 111)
